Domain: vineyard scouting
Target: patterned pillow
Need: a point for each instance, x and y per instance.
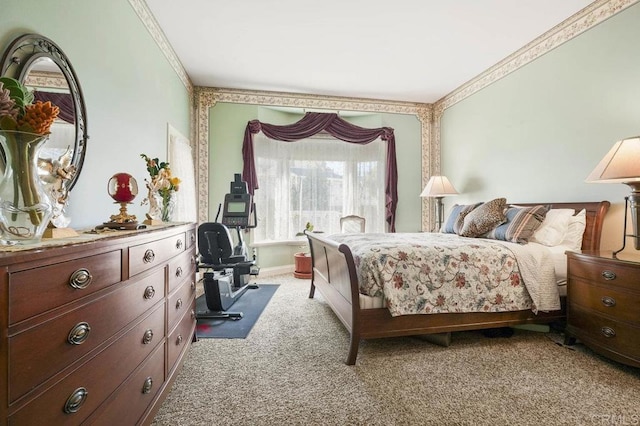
(456, 218)
(484, 218)
(521, 223)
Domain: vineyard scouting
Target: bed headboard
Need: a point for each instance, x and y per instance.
(596, 212)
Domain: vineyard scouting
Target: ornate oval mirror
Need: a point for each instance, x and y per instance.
(41, 65)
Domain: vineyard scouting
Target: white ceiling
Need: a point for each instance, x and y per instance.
(403, 50)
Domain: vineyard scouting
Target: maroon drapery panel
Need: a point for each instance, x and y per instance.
(315, 122)
(62, 101)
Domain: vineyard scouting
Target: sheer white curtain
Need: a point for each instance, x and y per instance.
(181, 163)
(317, 180)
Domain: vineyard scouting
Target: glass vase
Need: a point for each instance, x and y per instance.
(168, 205)
(25, 208)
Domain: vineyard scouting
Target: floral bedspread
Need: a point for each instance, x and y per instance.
(425, 273)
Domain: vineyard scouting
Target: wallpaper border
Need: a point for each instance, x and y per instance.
(208, 97)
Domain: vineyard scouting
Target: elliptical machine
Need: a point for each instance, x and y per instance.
(228, 268)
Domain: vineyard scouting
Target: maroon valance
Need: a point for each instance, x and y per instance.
(62, 101)
(309, 125)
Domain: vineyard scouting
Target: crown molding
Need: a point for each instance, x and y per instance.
(208, 97)
(570, 28)
(150, 23)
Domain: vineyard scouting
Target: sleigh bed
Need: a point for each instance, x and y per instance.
(335, 275)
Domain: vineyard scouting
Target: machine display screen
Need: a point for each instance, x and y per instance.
(236, 207)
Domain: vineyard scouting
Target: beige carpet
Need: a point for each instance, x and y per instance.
(290, 371)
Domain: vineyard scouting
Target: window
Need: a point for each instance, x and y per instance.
(317, 180)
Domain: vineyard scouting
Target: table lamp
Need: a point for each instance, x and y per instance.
(622, 165)
(438, 187)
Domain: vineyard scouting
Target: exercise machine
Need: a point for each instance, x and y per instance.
(227, 268)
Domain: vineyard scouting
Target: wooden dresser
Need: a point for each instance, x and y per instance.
(94, 329)
(603, 304)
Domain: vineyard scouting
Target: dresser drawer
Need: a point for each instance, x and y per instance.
(605, 272)
(622, 305)
(96, 379)
(38, 290)
(191, 238)
(145, 256)
(605, 333)
(180, 301)
(180, 268)
(38, 353)
(181, 335)
(135, 395)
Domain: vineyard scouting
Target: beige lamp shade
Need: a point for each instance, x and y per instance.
(620, 165)
(438, 186)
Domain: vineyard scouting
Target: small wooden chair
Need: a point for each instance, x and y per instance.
(352, 223)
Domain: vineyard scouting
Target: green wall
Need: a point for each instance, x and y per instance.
(537, 133)
(227, 122)
(130, 90)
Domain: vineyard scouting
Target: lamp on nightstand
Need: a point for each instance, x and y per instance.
(622, 165)
(438, 187)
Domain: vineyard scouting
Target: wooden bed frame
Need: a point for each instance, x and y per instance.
(334, 275)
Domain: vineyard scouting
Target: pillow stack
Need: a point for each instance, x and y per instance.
(519, 224)
(484, 218)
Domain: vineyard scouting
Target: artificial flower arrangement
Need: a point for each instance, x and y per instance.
(18, 112)
(24, 125)
(162, 183)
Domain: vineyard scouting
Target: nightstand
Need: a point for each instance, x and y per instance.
(603, 304)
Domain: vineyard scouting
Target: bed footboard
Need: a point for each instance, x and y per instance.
(334, 275)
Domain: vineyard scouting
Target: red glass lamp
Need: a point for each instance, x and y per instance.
(123, 188)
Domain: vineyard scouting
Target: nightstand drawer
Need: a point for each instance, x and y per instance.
(606, 333)
(622, 305)
(605, 272)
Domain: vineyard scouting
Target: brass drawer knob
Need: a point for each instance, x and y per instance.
(608, 275)
(179, 244)
(192, 238)
(148, 384)
(147, 337)
(608, 301)
(193, 314)
(75, 400)
(149, 292)
(179, 340)
(193, 285)
(79, 333)
(80, 279)
(178, 304)
(178, 272)
(608, 332)
(149, 256)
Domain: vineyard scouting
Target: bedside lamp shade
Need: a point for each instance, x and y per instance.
(622, 165)
(438, 187)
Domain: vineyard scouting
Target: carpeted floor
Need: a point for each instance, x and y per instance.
(290, 371)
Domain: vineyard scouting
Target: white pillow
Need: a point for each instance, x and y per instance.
(554, 227)
(575, 231)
